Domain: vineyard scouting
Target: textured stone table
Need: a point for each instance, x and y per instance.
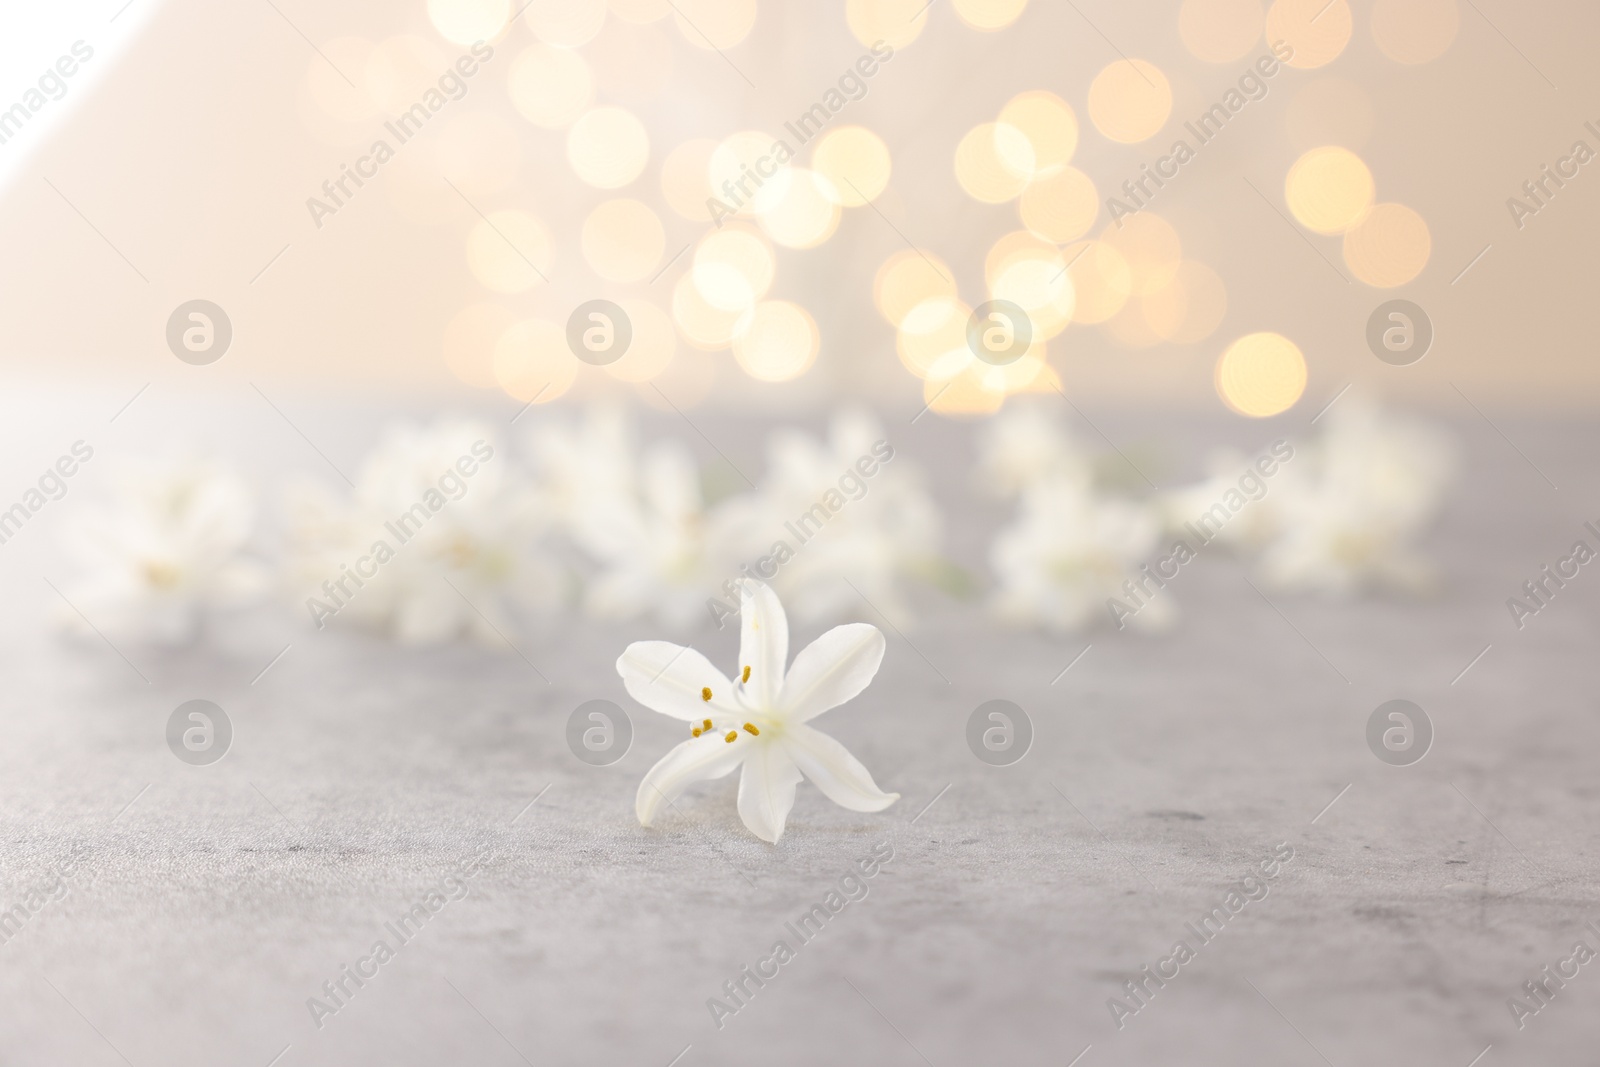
(208, 904)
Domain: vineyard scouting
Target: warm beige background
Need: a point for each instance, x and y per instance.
(194, 160)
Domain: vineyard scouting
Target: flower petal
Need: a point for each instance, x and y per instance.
(832, 768)
(697, 760)
(763, 643)
(766, 788)
(672, 679)
(831, 670)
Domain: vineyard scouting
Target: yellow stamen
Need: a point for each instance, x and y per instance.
(746, 677)
(752, 729)
(705, 694)
(732, 735)
(707, 725)
(697, 731)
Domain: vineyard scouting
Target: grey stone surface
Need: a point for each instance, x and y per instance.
(213, 901)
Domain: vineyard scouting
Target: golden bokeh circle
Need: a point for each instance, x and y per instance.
(808, 212)
(623, 240)
(856, 161)
(550, 87)
(1389, 247)
(565, 23)
(1317, 30)
(608, 147)
(686, 178)
(714, 25)
(906, 279)
(989, 15)
(466, 22)
(1049, 124)
(1189, 308)
(532, 362)
(1062, 206)
(776, 341)
(994, 162)
(1102, 281)
(1261, 374)
(1329, 189)
(892, 23)
(1149, 246)
(733, 268)
(1130, 100)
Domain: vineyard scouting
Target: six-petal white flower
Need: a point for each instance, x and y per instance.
(760, 721)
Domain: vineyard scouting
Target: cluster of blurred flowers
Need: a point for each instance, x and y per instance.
(448, 534)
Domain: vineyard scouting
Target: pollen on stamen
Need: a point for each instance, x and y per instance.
(706, 725)
(746, 677)
(697, 731)
(705, 694)
(751, 727)
(732, 736)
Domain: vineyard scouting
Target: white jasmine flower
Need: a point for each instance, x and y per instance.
(463, 568)
(758, 723)
(1024, 446)
(1252, 526)
(1350, 518)
(872, 532)
(1068, 553)
(170, 547)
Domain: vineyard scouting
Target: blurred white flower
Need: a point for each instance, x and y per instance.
(443, 537)
(1348, 519)
(1024, 446)
(873, 531)
(1259, 517)
(1068, 553)
(167, 549)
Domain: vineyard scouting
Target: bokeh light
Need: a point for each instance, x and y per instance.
(1189, 308)
(776, 341)
(906, 279)
(1414, 31)
(895, 23)
(1149, 246)
(733, 268)
(550, 87)
(640, 11)
(1261, 374)
(654, 343)
(989, 15)
(1389, 247)
(714, 25)
(807, 214)
(532, 362)
(1220, 31)
(565, 23)
(701, 324)
(1063, 206)
(748, 156)
(1101, 280)
(856, 161)
(509, 251)
(994, 162)
(1329, 189)
(623, 241)
(1049, 124)
(1130, 100)
(464, 22)
(686, 178)
(608, 147)
(1317, 30)
(932, 338)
